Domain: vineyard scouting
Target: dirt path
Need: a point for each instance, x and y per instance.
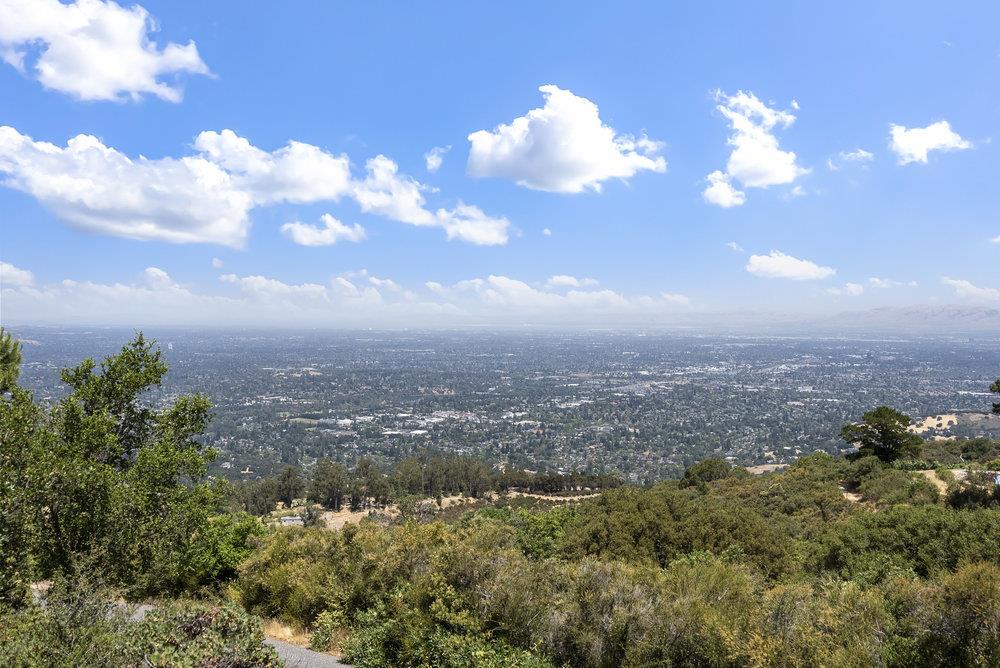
(942, 487)
(556, 497)
(853, 497)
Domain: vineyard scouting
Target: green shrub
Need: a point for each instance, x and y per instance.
(79, 625)
(185, 633)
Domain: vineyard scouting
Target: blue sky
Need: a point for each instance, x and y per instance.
(787, 108)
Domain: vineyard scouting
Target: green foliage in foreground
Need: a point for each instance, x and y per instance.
(79, 626)
(106, 479)
(10, 361)
(776, 570)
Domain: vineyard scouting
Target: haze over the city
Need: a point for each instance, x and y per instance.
(470, 164)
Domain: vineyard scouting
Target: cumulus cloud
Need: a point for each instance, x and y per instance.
(99, 189)
(15, 276)
(505, 297)
(780, 265)
(885, 283)
(548, 233)
(297, 173)
(848, 290)
(350, 300)
(720, 191)
(674, 298)
(857, 156)
(468, 223)
(330, 233)
(93, 49)
(564, 281)
(913, 144)
(151, 297)
(562, 147)
(756, 160)
(735, 247)
(965, 289)
(267, 289)
(386, 192)
(207, 197)
(434, 158)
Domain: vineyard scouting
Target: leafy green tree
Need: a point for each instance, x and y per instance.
(995, 387)
(708, 470)
(257, 497)
(19, 422)
(10, 361)
(107, 480)
(329, 484)
(883, 433)
(290, 485)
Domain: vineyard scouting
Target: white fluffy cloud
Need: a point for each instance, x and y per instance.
(674, 298)
(468, 223)
(735, 247)
(857, 156)
(720, 191)
(780, 265)
(849, 290)
(217, 263)
(756, 160)
(152, 297)
(350, 300)
(885, 283)
(15, 276)
(434, 158)
(298, 172)
(967, 290)
(508, 298)
(562, 147)
(207, 197)
(564, 281)
(99, 189)
(330, 233)
(386, 192)
(93, 49)
(913, 144)
(271, 290)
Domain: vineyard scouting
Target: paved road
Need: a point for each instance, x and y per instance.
(299, 657)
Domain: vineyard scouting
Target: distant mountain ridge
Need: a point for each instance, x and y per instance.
(945, 317)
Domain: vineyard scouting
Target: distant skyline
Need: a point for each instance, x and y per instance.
(364, 164)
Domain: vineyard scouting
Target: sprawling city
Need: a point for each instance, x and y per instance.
(642, 406)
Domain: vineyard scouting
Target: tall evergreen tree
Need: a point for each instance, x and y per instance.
(10, 361)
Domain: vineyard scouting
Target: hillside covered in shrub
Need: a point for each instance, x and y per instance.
(888, 557)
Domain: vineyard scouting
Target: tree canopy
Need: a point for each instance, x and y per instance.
(10, 361)
(112, 478)
(883, 433)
